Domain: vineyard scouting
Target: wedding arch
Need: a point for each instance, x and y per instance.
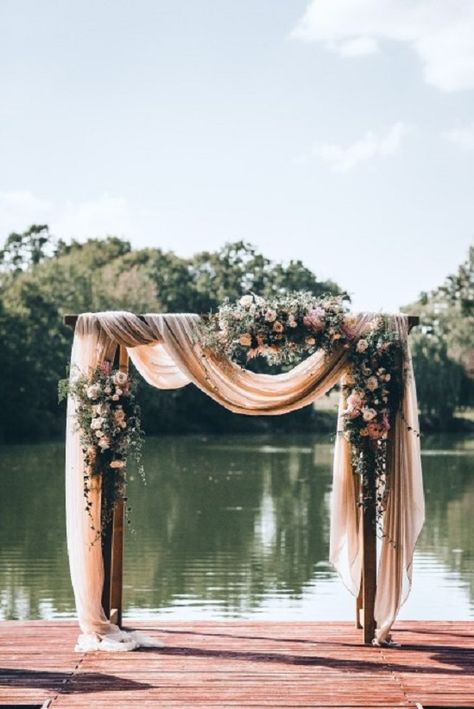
(168, 352)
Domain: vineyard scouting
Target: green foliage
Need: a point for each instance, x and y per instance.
(43, 278)
(280, 329)
(24, 250)
(439, 381)
(443, 347)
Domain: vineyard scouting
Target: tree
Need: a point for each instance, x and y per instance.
(443, 349)
(439, 381)
(26, 249)
(44, 280)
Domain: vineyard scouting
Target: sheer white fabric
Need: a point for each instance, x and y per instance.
(166, 350)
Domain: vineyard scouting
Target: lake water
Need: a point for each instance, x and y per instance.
(230, 527)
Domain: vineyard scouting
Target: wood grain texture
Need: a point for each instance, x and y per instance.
(240, 664)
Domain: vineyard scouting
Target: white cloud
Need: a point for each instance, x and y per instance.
(104, 215)
(463, 137)
(358, 47)
(441, 32)
(370, 147)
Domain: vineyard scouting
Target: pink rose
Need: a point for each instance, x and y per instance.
(117, 464)
(349, 326)
(351, 413)
(270, 316)
(355, 400)
(314, 319)
(375, 430)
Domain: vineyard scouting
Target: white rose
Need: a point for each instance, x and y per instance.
(369, 414)
(93, 391)
(120, 378)
(246, 301)
(387, 377)
(362, 345)
(104, 443)
(270, 316)
(372, 383)
(97, 423)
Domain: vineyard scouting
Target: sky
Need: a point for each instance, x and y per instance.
(338, 132)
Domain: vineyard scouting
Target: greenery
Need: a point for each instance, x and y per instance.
(108, 419)
(42, 279)
(443, 349)
(280, 329)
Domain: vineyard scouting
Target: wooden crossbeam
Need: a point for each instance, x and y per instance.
(71, 320)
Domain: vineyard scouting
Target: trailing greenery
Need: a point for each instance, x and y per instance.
(108, 419)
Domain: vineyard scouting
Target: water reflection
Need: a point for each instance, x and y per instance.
(229, 522)
(227, 527)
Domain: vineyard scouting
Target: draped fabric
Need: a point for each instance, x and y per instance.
(167, 352)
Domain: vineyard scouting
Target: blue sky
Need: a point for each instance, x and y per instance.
(340, 132)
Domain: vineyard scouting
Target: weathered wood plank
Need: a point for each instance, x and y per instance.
(240, 664)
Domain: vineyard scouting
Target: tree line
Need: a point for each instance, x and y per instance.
(43, 278)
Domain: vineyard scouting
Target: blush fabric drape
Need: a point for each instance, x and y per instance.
(166, 351)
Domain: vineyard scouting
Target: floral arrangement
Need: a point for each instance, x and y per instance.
(108, 419)
(372, 393)
(285, 330)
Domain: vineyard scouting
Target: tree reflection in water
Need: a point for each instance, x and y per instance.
(226, 526)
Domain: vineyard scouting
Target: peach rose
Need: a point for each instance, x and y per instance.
(245, 340)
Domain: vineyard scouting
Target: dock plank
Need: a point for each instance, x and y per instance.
(240, 664)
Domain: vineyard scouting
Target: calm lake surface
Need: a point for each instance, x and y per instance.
(230, 527)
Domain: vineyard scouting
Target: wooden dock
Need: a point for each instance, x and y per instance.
(240, 664)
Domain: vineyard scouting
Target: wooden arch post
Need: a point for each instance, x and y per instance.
(112, 540)
(365, 603)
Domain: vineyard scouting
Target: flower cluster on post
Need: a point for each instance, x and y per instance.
(108, 419)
